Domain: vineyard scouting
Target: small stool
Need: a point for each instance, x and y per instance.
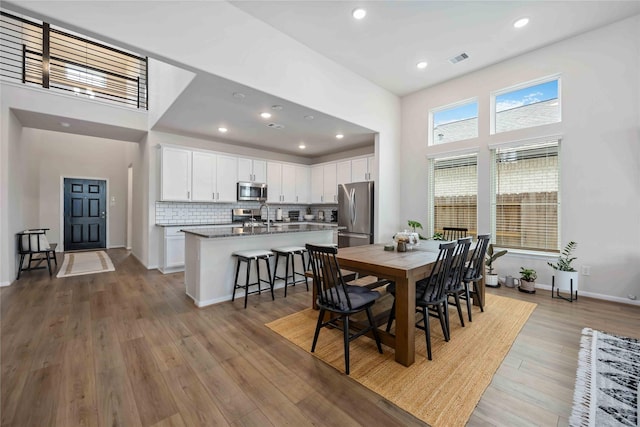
(289, 252)
(248, 256)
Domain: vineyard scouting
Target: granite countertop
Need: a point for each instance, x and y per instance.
(256, 231)
(229, 224)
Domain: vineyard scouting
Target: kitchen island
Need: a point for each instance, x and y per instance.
(210, 265)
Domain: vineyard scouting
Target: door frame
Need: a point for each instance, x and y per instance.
(107, 202)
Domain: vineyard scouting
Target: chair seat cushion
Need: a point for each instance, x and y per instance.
(253, 254)
(358, 299)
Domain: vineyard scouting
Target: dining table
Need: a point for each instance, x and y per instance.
(405, 269)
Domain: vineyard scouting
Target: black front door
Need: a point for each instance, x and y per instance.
(85, 214)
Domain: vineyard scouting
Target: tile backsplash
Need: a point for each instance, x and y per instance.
(182, 213)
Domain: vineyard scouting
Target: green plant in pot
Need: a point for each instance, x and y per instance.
(528, 278)
(492, 255)
(565, 275)
(414, 225)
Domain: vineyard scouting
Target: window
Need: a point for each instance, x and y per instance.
(525, 199)
(453, 192)
(454, 122)
(526, 106)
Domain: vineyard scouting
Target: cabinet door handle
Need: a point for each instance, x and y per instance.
(213, 196)
(188, 194)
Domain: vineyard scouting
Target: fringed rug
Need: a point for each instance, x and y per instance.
(78, 263)
(606, 392)
(441, 392)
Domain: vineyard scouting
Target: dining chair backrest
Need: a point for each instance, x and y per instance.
(434, 286)
(330, 286)
(33, 241)
(454, 233)
(459, 263)
(475, 267)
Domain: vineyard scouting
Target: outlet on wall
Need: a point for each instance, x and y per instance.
(586, 270)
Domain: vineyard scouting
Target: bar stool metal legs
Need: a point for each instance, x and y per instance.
(247, 257)
(289, 253)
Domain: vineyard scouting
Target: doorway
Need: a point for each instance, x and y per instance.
(85, 214)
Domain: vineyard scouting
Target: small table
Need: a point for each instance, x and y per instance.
(404, 268)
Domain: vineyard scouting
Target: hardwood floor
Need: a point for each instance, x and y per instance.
(128, 348)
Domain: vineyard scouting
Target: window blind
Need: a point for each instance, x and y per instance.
(454, 191)
(525, 196)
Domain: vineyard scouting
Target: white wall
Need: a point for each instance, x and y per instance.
(600, 150)
(54, 155)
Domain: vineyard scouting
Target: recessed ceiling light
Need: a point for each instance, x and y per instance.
(339, 136)
(238, 95)
(302, 146)
(422, 65)
(521, 22)
(265, 115)
(222, 129)
(65, 124)
(309, 117)
(359, 13)
(276, 107)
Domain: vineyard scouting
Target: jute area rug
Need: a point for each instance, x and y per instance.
(79, 263)
(606, 392)
(441, 392)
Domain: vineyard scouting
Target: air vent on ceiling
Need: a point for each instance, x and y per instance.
(275, 126)
(458, 58)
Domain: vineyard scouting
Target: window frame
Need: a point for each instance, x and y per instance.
(522, 144)
(431, 220)
(494, 94)
(431, 140)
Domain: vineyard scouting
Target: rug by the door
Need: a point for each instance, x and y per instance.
(606, 392)
(443, 391)
(78, 263)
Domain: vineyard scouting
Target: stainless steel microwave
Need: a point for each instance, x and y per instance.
(252, 191)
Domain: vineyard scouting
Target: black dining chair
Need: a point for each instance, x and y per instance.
(474, 273)
(455, 286)
(341, 300)
(33, 243)
(454, 233)
(431, 298)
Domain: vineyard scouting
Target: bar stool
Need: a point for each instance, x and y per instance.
(248, 256)
(289, 253)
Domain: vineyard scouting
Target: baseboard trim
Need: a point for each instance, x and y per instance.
(595, 296)
(3, 284)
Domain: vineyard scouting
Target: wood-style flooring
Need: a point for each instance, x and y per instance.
(129, 348)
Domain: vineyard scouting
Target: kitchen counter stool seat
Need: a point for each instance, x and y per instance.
(246, 256)
(289, 253)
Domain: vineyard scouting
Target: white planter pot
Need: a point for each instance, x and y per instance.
(562, 280)
(492, 280)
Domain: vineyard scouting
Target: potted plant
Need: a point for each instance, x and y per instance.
(528, 278)
(565, 272)
(492, 255)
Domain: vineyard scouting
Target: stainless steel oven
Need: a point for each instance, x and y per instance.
(252, 191)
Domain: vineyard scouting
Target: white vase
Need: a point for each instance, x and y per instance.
(492, 281)
(562, 280)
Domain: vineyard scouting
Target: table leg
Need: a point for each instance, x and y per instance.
(480, 288)
(405, 319)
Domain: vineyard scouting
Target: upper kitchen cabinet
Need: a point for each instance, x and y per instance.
(363, 169)
(175, 183)
(343, 172)
(197, 176)
(252, 170)
(287, 183)
(324, 187)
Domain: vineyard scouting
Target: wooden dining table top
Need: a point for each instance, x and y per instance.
(375, 259)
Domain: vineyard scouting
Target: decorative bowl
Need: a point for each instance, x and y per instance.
(308, 217)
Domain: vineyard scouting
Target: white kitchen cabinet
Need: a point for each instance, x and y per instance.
(362, 169)
(343, 172)
(252, 170)
(330, 185)
(317, 183)
(175, 174)
(214, 177)
(226, 178)
(302, 175)
(288, 183)
(274, 182)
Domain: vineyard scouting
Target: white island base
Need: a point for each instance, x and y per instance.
(210, 268)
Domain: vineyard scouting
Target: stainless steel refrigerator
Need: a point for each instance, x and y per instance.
(355, 212)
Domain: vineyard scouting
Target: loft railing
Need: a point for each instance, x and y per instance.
(37, 54)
